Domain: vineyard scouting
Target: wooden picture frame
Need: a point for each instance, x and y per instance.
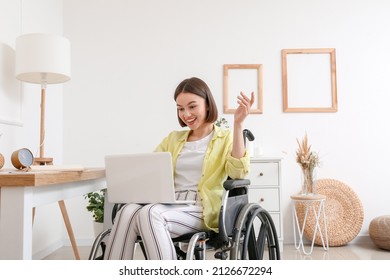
(245, 78)
(309, 80)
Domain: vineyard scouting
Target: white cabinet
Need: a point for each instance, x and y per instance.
(265, 188)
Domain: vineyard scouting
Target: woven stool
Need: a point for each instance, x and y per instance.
(379, 231)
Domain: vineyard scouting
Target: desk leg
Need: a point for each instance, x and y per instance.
(61, 203)
(15, 223)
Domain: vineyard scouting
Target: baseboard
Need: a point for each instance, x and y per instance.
(360, 239)
(80, 242)
(47, 251)
(55, 246)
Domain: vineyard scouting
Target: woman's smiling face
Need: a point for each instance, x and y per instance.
(192, 110)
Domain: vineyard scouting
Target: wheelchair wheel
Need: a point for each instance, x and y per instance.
(254, 233)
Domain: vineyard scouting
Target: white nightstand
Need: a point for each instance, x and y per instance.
(265, 188)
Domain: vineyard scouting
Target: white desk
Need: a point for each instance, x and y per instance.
(316, 204)
(21, 191)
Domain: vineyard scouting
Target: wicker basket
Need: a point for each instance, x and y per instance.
(344, 213)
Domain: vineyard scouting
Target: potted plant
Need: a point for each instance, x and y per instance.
(96, 206)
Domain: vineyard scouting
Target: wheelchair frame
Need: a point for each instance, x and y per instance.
(246, 230)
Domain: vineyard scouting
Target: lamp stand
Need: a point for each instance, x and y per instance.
(42, 160)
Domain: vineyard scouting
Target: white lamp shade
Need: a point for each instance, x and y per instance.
(42, 58)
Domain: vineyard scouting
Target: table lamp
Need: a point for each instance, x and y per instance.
(42, 59)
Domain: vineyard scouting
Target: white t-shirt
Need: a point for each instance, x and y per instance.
(189, 164)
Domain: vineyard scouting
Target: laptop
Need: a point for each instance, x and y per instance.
(141, 178)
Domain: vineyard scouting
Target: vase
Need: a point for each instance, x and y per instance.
(308, 182)
(97, 228)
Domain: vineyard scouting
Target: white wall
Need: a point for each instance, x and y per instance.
(128, 56)
(19, 125)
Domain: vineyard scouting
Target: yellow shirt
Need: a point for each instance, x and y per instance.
(218, 164)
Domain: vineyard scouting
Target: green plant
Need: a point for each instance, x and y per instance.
(96, 205)
(222, 122)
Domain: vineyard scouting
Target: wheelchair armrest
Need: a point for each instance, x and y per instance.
(231, 184)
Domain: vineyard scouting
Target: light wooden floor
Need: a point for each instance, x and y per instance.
(366, 251)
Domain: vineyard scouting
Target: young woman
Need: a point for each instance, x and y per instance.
(203, 157)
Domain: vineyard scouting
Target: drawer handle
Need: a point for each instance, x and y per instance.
(261, 174)
(261, 199)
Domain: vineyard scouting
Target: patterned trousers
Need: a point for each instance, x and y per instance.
(156, 225)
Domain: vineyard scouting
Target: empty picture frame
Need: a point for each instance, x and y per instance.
(309, 80)
(246, 78)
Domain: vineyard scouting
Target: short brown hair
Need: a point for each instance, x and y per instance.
(199, 87)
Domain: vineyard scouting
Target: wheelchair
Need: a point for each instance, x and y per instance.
(246, 231)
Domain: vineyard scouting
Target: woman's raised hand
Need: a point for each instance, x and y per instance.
(244, 106)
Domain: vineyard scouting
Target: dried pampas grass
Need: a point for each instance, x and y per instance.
(307, 159)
